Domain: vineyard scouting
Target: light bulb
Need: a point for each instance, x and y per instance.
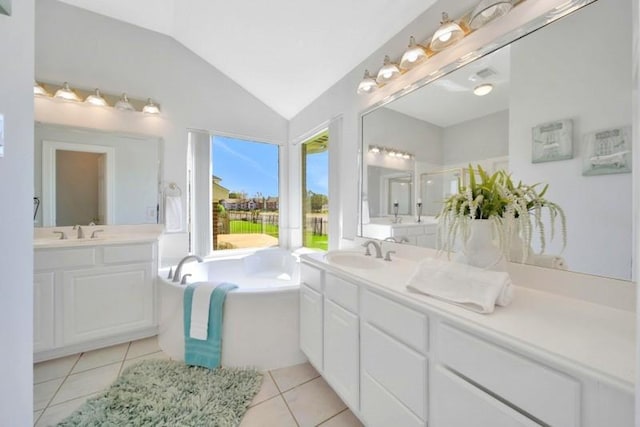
(367, 84)
(96, 99)
(448, 33)
(388, 72)
(413, 55)
(151, 107)
(123, 104)
(66, 93)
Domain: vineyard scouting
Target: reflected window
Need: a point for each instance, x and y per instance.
(315, 192)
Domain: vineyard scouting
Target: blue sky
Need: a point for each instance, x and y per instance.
(253, 167)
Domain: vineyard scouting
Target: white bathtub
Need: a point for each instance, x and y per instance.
(260, 326)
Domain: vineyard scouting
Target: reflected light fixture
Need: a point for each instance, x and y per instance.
(483, 89)
(151, 107)
(367, 84)
(38, 90)
(388, 72)
(96, 99)
(124, 104)
(66, 93)
(448, 34)
(374, 149)
(414, 55)
(488, 10)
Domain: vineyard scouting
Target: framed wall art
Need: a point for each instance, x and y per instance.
(552, 141)
(607, 151)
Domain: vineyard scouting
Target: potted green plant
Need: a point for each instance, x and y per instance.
(492, 208)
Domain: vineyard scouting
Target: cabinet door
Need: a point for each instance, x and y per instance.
(107, 301)
(457, 403)
(311, 325)
(341, 353)
(43, 311)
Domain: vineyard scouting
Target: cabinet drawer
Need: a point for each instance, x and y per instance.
(381, 409)
(397, 368)
(128, 253)
(311, 276)
(45, 259)
(409, 326)
(457, 403)
(341, 292)
(544, 393)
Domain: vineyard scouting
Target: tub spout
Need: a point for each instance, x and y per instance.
(178, 272)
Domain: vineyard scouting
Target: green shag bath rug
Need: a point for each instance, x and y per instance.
(170, 393)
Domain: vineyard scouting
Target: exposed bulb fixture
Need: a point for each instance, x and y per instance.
(66, 93)
(367, 84)
(448, 34)
(150, 107)
(388, 72)
(124, 104)
(406, 156)
(392, 153)
(488, 10)
(374, 149)
(96, 99)
(38, 90)
(414, 55)
(483, 89)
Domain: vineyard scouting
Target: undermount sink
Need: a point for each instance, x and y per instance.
(353, 260)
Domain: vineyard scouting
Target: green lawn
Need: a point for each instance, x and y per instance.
(316, 242)
(247, 227)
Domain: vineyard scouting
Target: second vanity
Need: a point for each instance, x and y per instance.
(405, 359)
(91, 293)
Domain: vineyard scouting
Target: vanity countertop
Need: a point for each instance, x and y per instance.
(578, 334)
(44, 238)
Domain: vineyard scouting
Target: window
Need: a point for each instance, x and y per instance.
(235, 193)
(315, 190)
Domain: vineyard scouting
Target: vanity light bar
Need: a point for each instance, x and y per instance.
(391, 152)
(449, 32)
(95, 98)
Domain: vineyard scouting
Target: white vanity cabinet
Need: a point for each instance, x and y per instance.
(90, 296)
(396, 361)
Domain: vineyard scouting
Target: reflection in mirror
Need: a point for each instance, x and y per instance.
(84, 176)
(551, 76)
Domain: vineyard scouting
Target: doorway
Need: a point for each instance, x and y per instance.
(77, 183)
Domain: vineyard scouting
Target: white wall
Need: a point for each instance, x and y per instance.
(16, 210)
(476, 139)
(570, 71)
(91, 50)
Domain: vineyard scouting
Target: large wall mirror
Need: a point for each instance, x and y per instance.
(559, 113)
(84, 176)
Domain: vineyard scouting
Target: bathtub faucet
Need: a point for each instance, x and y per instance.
(178, 272)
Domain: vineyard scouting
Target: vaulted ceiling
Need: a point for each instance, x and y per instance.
(284, 52)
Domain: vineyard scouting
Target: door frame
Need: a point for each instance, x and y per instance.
(49, 149)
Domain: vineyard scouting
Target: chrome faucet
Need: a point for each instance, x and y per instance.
(80, 233)
(375, 245)
(176, 274)
(402, 239)
(63, 235)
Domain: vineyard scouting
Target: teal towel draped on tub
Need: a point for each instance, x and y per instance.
(207, 352)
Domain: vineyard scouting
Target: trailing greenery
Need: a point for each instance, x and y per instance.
(511, 208)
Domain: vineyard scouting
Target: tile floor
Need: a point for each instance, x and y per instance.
(292, 396)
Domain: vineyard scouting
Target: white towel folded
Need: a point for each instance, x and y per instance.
(173, 213)
(200, 310)
(548, 261)
(470, 287)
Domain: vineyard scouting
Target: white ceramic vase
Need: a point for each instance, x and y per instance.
(480, 250)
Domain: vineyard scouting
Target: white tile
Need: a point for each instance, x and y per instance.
(271, 413)
(313, 402)
(343, 419)
(36, 415)
(291, 376)
(52, 369)
(153, 356)
(142, 347)
(43, 392)
(267, 390)
(87, 382)
(101, 357)
(54, 414)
